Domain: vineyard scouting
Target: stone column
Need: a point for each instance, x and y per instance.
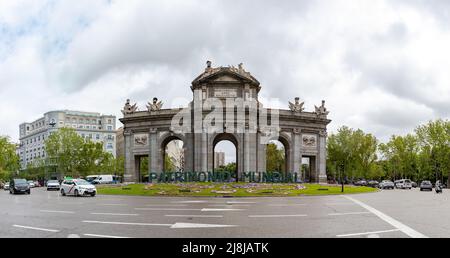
(296, 154)
(130, 169)
(155, 165)
(322, 162)
(262, 152)
(250, 152)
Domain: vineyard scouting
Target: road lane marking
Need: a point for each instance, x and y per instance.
(208, 209)
(277, 216)
(113, 214)
(172, 226)
(191, 202)
(103, 236)
(164, 209)
(348, 213)
(73, 236)
(229, 205)
(64, 212)
(38, 229)
(192, 225)
(397, 224)
(166, 205)
(369, 233)
(196, 216)
(125, 223)
(286, 205)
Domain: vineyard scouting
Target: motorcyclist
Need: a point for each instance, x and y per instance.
(438, 187)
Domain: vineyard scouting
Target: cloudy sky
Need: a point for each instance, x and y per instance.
(383, 66)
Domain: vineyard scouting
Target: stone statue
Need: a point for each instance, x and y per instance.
(128, 108)
(155, 106)
(297, 107)
(322, 110)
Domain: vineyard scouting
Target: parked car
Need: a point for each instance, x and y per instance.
(403, 184)
(77, 187)
(53, 185)
(31, 184)
(426, 186)
(6, 187)
(373, 183)
(19, 186)
(414, 184)
(386, 184)
(361, 183)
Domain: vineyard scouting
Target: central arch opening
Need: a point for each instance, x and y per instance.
(173, 155)
(278, 156)
(225, 158)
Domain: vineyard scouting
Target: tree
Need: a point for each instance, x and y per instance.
(352, 152)
(434, 140)
(9, 160)
(275, 161)
(75, 156)
(65, 146)
(401, 154)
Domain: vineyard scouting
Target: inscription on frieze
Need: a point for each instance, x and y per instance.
(225, 93)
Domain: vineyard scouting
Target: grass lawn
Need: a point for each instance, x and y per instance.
(229, 189)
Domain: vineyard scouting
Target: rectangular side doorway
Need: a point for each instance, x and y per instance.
(309, 171)
(142, 164)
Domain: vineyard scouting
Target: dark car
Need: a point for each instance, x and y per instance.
(19, 186)
(426, 186)
(373, 184)
(361, 183)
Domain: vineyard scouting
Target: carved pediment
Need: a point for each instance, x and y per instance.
(226, 78)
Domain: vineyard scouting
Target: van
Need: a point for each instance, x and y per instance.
(91, 178)
(403, 184)
(104, 179)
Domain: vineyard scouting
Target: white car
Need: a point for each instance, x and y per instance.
(53, 185)
(77, 187)
(32, 184)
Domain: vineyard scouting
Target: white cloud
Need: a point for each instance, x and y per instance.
(381, 65)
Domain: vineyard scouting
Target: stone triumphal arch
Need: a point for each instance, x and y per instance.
(225, 106)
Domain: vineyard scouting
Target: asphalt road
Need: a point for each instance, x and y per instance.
(397, 213)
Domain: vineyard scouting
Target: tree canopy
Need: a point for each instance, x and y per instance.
(9, 160)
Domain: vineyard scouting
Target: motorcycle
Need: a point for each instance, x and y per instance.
(438, 188)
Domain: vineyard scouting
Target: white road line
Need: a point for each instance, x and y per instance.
(191, 202)
(286, 205)
(369, 233)
(164, 209)
(207, 209)
(228, 205)
(114, 214)
(65, 212)
(172, 226)
(277, 216)
(195, 216)
(38, 229)
(166, 205)
(192, 225)
(349, 213)
(397, 224)
(104, 236)
(125, 223)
